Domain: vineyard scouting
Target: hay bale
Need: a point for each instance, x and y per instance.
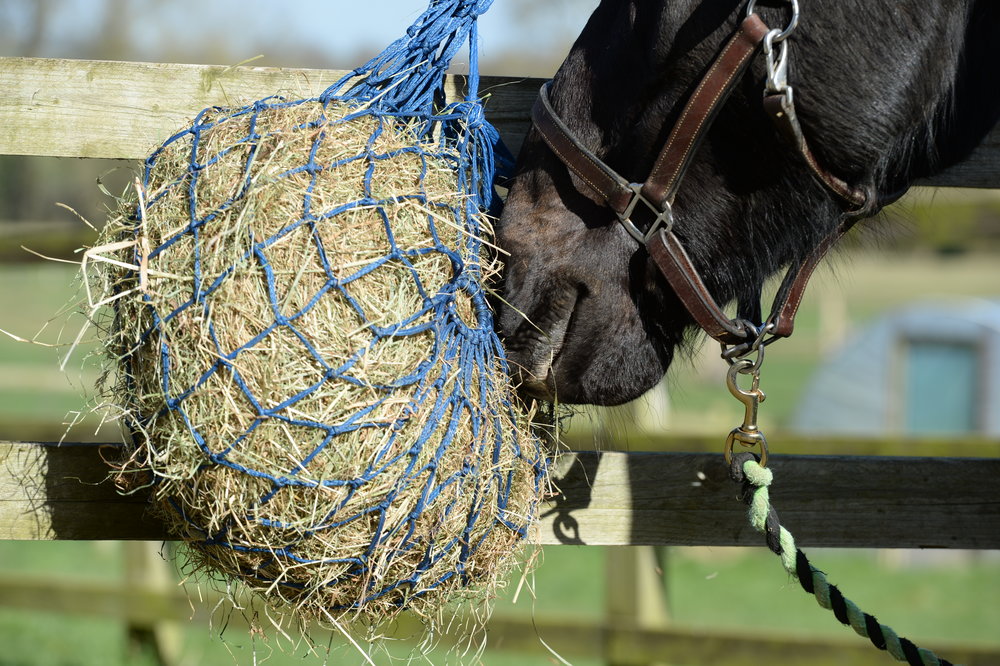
(306, 360)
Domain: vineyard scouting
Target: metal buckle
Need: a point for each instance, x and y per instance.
(664, 218)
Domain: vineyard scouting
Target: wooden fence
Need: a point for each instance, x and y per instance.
(605, 498)
(96, 109)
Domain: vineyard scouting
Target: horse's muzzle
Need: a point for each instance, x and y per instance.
(534, 340)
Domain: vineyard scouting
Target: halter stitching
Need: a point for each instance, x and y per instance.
(715, 65)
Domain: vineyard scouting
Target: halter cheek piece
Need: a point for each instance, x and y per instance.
(657, 192)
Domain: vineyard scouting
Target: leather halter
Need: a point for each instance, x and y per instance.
(657, 192)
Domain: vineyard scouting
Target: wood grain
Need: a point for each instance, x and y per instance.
(62, 492)
(111, 109)
(49, 491)
(124, 110)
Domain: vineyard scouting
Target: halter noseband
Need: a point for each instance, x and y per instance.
(657, 192)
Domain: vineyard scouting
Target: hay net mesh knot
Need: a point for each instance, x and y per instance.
(438, 488)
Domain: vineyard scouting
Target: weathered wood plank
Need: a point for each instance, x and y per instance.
(981, 169)
(53, 492)
(92, 108)
(839, 501)
(63, 492)
(124, 110)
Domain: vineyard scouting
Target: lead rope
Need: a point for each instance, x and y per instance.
(750, 471)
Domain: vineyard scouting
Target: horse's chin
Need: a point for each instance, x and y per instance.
(580, 365)
(563, 383)
(543, 389)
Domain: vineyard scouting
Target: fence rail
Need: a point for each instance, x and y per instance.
(123, 110)
(602, 498)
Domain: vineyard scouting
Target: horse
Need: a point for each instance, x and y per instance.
(884, 94)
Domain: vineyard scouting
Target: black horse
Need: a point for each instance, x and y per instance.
(886, 93)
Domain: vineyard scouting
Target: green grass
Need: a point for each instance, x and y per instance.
(955, 602)
(33, 391)
(707, 588)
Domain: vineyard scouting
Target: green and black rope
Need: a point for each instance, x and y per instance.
(754, 480)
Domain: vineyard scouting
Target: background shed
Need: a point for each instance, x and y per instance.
(929, 368)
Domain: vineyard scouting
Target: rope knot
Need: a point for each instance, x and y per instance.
(473, 113)
(757, 475)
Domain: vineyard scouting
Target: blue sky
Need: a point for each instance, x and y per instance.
(335, 30)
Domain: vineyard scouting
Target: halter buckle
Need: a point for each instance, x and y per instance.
(664, 217)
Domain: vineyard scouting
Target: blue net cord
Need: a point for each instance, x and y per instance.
(403, 84)
(409, 74)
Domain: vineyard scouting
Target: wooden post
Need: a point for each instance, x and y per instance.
(635, 599)
(146, 569)
(634, 594)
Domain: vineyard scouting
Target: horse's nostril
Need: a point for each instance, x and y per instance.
(530, 355)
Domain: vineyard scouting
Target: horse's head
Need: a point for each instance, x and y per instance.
(885, 93)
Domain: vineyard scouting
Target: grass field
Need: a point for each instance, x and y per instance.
(958, 600)
(722, 589)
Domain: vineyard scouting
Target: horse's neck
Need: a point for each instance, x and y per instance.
(880, 85)
(973, 108)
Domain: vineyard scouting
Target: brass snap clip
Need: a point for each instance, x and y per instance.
(747, 433)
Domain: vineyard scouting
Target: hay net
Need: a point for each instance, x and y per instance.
(439, 428)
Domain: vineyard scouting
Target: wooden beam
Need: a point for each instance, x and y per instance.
(568, 636)
(62, 492)
(791, 443)
(839, 501)
(50, 491)
(124, 110)
(110, 109)
(58, 239)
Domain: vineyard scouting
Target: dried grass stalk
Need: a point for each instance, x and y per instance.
(298, 340)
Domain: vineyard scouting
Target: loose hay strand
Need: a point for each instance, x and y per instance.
(300, 342)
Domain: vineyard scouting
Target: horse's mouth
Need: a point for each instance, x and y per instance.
(536, 377)
(533, 351)
(538, 383)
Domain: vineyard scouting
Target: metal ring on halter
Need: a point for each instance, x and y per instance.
(792, 23)
(740, 352)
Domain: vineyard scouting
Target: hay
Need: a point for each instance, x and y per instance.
(307, 364)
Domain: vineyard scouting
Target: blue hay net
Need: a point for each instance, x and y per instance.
(402, 84)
